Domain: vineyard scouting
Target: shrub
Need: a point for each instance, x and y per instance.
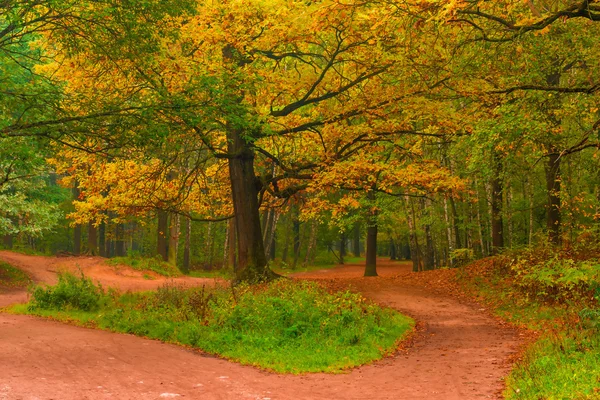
(70, 292)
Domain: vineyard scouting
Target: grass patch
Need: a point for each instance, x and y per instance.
(285, 326)
(555, 292)
(12, 277)
(145, 264)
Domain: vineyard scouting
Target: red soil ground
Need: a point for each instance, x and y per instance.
(459, 352)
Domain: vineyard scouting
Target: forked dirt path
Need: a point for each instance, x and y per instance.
(459, 353)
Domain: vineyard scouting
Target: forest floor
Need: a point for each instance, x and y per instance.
(458, 352)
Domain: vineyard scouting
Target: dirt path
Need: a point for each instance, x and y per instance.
(461, 354)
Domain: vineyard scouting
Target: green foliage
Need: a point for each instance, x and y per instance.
(12, 277)
(70, 292)
(285, 326)
(155, 264)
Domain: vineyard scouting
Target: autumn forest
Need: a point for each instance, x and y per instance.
(244, 140)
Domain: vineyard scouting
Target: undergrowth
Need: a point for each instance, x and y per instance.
(284, 326)
(12, 277)
(555, 292)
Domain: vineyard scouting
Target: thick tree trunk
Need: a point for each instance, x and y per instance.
(161, 238)
(185, 267)
(92, 239)
(553, 217)
(252, 262)
(371, 264)
(120, 240)
(497, 223)
(173, 240)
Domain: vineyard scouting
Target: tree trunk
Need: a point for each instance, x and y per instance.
(120, 240)
(393, 255)
(428, 257)
(92, 239)
(270, 238)
(531, 194)
(173, 239)
(371, 264)
(252, 262)
(497, 223)
(161, 239)
(553, 217)
(185, 267)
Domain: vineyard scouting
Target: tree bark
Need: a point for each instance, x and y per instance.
(371, 264)
(8, 241)
(296, 229)
(161, 239)
(497, 223)
(173, 239)
(553, 217)
(252, 262)
(393, 255)
(231, 258)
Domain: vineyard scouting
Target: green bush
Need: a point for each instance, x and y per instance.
(71, 292)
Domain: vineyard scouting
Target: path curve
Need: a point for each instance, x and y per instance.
(461, 353)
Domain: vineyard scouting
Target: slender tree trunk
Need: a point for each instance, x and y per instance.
(173, 240)
(497, 201)
(393, 255)
(455, 223)
(161, 239)
(428, 259)
(270, 239)
(371, 264)
(509, 214)
(252, 262)
(449, 237)
(92, 239)
(553, 217)
(185, 268)
(286, 241)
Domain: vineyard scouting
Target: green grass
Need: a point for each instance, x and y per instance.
(564, 363)
(286, 326)
(12, 277)
(146, 264)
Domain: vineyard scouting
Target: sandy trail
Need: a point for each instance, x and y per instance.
(461, 352)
